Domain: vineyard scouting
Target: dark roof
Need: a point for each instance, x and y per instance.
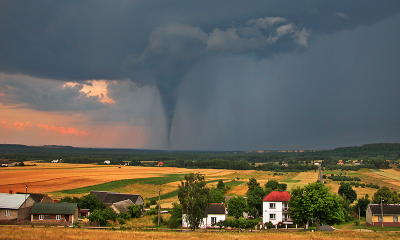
(38, 197)
(216, 208)
(387, 208)
(118, 197)
(123, 205)
(101, 194)
(109, 198)
(54, 208)
(277, 196)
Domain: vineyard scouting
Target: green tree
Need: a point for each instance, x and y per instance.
(90, 202)
(102, 216)
(252, 184)
(221, 185)
(272, 184)
(362, 203)
(176, 216)
(194, 197)
(255, 200)
(236, 207)
(315, 201)
(388, 196)
(347, 191)
(282, 187)
(134, 211)
(217, 195)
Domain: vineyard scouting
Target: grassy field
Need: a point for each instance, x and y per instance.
(16, 232)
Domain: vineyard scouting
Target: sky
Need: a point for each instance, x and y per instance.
(200, 75)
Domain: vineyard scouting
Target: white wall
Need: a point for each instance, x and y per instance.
(207, 220)
(277, 211)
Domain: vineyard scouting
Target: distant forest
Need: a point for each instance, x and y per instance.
(377, 155)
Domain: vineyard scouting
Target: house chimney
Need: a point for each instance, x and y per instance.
(10, 192)
(55, 201)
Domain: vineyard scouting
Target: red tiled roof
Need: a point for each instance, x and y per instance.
(277, 196)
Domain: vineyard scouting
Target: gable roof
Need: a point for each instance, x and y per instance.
(118, 197)
(387, 208)
(277, 196)
(100, 194)
(113, 197)
(12, 201)
(38, 197)
(123, 205)
(215, 208)
(54, 208)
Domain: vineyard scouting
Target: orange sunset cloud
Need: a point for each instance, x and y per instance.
(15, 126)
(62, 130)
(18, 126)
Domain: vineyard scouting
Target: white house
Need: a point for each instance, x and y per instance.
(275, 208)
(214, 213)
(107, 162)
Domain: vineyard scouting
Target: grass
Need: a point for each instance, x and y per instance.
(291, 181)
(123, 183)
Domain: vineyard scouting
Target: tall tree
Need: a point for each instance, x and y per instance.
(236, 207)
(315, 201)
(387, 196)
(362, 203)
(255, 195)
(273, 184)
(347, 191)
(194, 197)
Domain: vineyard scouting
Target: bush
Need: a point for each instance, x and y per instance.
(152, 211)
(155, 220)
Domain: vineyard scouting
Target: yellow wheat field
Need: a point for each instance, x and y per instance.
(29, 233)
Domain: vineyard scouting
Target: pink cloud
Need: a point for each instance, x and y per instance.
(16, 125)
(62, 130)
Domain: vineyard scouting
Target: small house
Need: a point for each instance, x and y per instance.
(107, 162)
(15, 207)
(214, 213)
(62, 214)
(121, 206)
(389, 217)
(276, 208)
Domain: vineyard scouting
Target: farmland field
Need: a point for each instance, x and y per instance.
(61, 179)
(16, 232)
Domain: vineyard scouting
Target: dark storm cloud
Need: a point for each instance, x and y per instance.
(45, 95)
(159, 42)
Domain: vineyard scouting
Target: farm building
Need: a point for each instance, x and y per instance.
(389, 218)
(15, 207)
(39, 197)
(7, 163)
(214, 213)
(121, 206)
(276, 209)
(63, 214)
(108, 198)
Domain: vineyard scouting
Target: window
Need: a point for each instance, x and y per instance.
(58, 217)
(7, 213)
(272, 206)
(213, 220)
(272, 216)
(285, 206)
(395, 218)
(41, 217)
(380, 219)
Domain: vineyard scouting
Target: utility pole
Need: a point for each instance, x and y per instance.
(159, 203)
(382, 209)
(359, 217)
